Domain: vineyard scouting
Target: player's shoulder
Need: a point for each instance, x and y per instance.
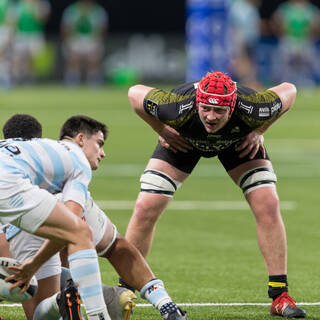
(186, 89)
(67, 150)
(259, 105)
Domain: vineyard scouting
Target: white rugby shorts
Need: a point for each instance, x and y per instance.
(23, 204)
(99, 222)
(24, 246)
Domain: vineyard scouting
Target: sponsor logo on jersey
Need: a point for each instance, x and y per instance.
(185, 107)
(214, 101)
(264, 112)
(275, 108)
(212, 145)
(152, 107)
(246, 108)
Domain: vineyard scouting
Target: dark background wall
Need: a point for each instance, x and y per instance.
(132, 16)
(166, 16)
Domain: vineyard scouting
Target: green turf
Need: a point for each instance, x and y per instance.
(203, 256)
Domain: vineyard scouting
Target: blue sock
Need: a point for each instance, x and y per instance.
(85, 271)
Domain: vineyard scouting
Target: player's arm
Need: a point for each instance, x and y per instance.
(253, 142)
(136, 97)
(170, 138)
(287, 93)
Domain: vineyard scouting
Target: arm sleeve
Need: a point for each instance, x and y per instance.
(259, 106)
(76, 187)
(172, 108)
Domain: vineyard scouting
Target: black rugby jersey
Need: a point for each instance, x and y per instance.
(177, 109)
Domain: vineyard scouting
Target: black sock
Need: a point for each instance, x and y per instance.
(125, 285)
(277, 285)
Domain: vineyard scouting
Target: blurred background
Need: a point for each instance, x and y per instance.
(61, 58)
(258, 42)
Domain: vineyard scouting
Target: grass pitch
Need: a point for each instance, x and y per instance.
(203, 255)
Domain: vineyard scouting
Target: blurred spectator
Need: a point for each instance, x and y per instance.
(295, 22)
(30, 17)
(244, 33)
(84, 26)
(5, 43)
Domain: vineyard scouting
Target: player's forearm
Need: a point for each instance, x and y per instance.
(48, 249)
(154, 123)
(262, 129)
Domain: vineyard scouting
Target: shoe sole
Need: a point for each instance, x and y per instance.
(127, 304)
(286, 317)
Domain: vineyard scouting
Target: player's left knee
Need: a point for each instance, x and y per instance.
(107, 242)
(257, 178)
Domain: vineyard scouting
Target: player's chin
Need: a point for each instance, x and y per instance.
(94, 166)
(211, 127)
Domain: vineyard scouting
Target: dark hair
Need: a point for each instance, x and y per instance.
(22, 126)
(82, 124)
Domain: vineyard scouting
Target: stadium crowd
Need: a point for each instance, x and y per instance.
(23, 41)
(263, 49)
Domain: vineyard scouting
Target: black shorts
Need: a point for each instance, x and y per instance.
(187, 161)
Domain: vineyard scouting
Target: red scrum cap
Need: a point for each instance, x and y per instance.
(217, 89)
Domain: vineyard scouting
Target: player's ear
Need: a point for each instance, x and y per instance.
(80, 139)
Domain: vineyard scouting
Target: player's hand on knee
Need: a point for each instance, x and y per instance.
(172, 140)
(251, 144)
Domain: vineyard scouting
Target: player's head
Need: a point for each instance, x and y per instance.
(216, 99)
(89, 134)
(22, 126)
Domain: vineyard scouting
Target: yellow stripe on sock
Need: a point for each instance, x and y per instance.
(277, 284)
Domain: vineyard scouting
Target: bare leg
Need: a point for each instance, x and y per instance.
(142, 225)
(270, 229)
(4, 246)
(129, 263)
(149, 208)
(66, 228)
(271, 233)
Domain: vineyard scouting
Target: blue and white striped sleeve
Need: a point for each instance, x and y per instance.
(76, 186)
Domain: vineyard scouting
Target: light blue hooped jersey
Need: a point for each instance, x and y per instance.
(56, 166)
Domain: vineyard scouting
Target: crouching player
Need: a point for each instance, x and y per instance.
(49, 303)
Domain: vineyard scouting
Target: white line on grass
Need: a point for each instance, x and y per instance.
(231, 304)
(191, 205)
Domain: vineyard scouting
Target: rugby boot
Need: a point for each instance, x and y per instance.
(285, 306)
(69, 302)
(119, 302)
(170, 311)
